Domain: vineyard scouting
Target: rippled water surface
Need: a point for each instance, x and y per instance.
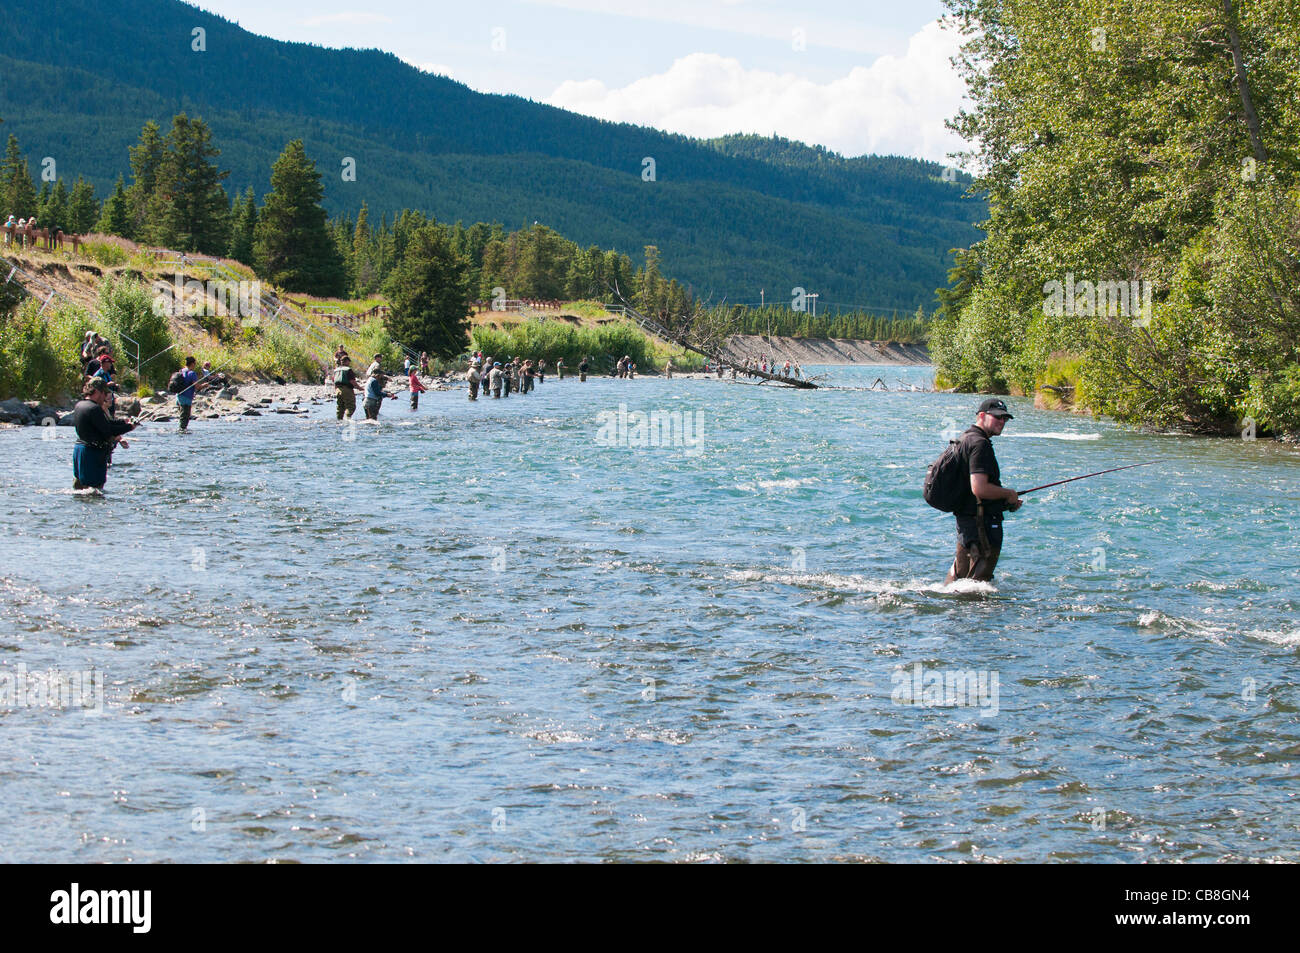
(496, 631)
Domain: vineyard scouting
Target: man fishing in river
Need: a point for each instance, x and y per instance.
(97, 433)
(979, 515)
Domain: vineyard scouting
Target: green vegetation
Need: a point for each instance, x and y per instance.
(39, 353)
(551, 340)
(1147, 147)
(292, 247)
(135, 327)
(430, 293)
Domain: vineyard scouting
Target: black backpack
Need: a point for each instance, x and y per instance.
(177, 383)
(947, 481)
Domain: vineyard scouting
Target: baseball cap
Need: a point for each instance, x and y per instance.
(997, 407)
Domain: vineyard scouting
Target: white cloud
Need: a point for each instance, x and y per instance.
(897, 105)
(738, 17)
(437, 69)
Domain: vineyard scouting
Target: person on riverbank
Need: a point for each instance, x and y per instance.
(979, 516)
(417, 388)
(346, 385)
(376, 366)
(189, 381)
(374, 395)
(97, 434)
(668, 368)
(424, 364)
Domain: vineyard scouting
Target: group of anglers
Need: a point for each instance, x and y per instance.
(965, 480)
(99, 430)
(513, 376)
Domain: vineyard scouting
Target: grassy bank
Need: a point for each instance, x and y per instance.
(117, 293)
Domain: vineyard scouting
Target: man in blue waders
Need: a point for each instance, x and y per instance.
(96, 434)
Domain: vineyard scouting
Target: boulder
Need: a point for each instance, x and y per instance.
(43, 412)
(252, 412)
(14, 411)
(128, 407)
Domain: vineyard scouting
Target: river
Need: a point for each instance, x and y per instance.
(505, 630)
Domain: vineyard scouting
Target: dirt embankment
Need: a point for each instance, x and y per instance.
(825, 350)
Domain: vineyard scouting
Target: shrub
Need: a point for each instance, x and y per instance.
(278, 355)
(106, 254)
(373, 338)
(39, 352)
(132, 323)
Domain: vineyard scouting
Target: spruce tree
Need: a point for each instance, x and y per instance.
(54, 209)
(146, 160)
(17, 190)
(294, 249)
(243, 231)
(83, 208)
(189, 209)
(116, 218)
(429, 292)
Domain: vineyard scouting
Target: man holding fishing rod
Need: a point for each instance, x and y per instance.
(966, 482)
(979, 513)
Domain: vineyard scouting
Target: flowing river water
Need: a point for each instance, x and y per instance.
(505, 630)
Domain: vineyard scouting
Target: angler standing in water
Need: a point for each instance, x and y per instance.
(97, 433)
(980, 497)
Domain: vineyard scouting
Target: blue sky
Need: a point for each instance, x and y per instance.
(856, 77)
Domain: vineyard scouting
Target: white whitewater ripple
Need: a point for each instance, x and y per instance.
(1053, 435)
(861, 584)
(790, 483)
(1219, 634)
(1287, 639)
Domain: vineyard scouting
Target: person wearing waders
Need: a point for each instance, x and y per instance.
(473, 376)
(495, 378)
(979, 515)
(347, 385)
(582, 371)
(374, 395)
(97, 433)
(416, 387)
(188, 382)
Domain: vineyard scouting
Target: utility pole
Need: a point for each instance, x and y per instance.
(813, 298)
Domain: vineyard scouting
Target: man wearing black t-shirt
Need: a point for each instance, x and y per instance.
(979, 517)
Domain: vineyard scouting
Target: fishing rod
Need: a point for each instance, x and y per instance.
(1085, 476)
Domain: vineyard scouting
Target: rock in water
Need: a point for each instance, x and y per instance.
(14, 411)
